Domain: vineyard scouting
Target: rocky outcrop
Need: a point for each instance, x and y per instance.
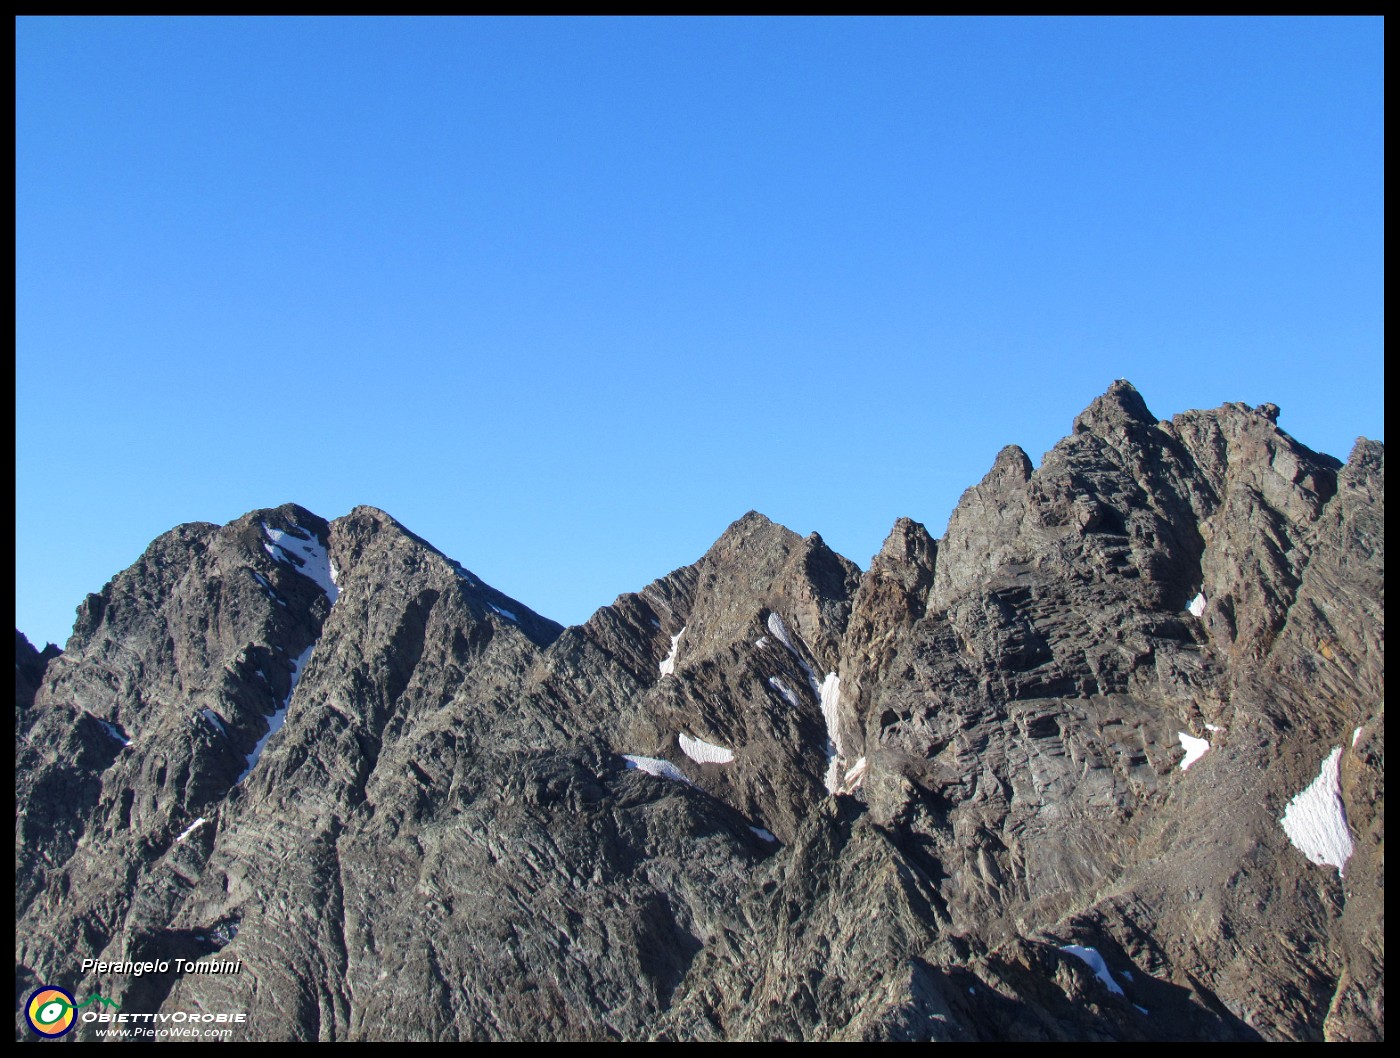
(767, 796)
(29, 673)
(1028, 738)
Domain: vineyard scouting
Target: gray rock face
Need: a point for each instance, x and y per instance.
(767, 796)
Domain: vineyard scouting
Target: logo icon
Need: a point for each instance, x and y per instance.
(50, 1011)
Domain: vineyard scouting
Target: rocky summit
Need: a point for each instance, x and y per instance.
(1104, 762)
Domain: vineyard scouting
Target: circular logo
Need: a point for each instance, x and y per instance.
(50, 1011)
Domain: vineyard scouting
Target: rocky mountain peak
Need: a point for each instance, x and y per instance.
(1011, 467)
(908, 543)
(1120, 405)
(1366, 462)
(758, 567)
(752, 530)
(957, 796)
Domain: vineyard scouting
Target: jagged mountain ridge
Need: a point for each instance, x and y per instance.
(29, 672)
(450, 820)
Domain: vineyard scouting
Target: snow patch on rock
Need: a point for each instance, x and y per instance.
(279, 716)
(1315, 821)
(830, 695)
(1091, 958)
(662, 769)
(668, 663)
(112, 730)
(779, 630)
(1195, 749)
(786, 691)
(780, 633)
(303, 552)
(191, 828)
(854, 776)
(697, 749)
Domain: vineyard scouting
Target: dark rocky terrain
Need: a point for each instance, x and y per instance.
(29, 673)
(768, 796)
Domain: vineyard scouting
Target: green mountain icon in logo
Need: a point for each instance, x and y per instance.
(95, 999)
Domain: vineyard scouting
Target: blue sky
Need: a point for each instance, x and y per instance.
(566, 297)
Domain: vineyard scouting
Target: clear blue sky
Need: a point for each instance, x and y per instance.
(566, 297)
